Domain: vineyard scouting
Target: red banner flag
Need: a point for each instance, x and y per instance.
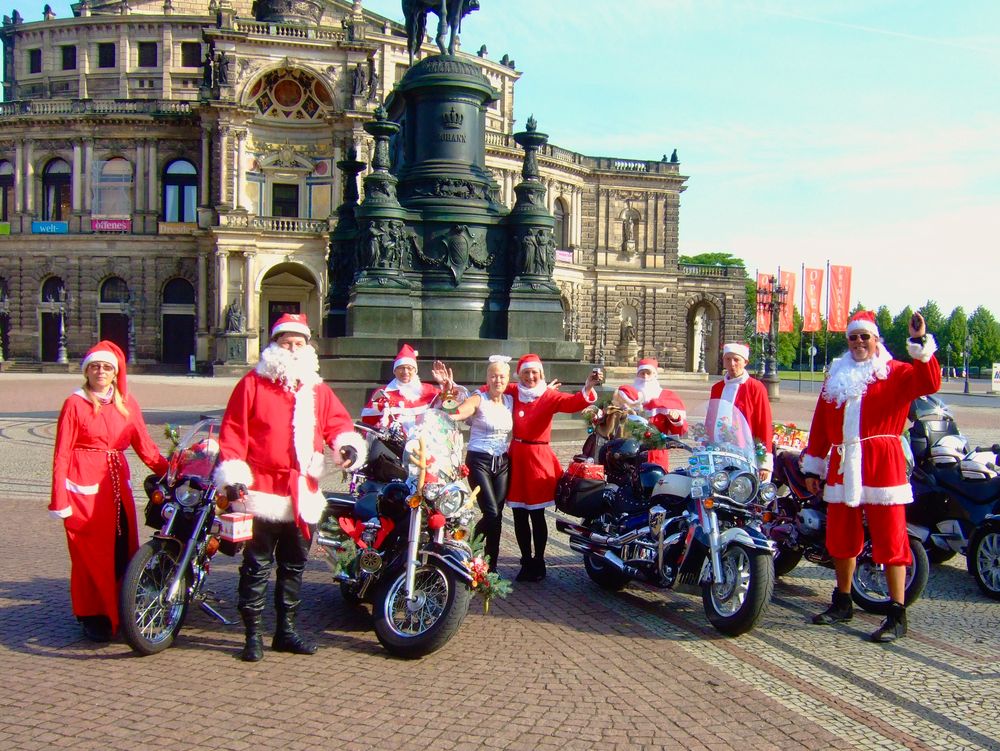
(786, 321)
(839, 298)
(763, 313)
(812, 283)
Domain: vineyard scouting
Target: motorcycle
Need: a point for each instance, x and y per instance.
(693, 530)
(399, 540)
(796, 523)
(168, 572)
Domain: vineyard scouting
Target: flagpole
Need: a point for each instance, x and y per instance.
(826, 324)
(802, 307)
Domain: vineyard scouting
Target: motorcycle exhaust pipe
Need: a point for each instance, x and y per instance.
(576, 530)
(582, 546)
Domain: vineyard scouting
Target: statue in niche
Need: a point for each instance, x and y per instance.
(532, 254)
(235, 320)
(358, 81)
(373, 78)
(222, 69)
(207, 79)
(547, 246)
(626, 333)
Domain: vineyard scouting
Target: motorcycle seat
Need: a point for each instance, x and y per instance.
(363, 508)
(979, 492)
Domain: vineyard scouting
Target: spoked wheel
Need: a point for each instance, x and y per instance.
(150, 620)
(425, 624)
(983, 560)
(869, 589)
(735, 604)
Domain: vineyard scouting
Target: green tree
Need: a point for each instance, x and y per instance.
(883, 319)
(899, 332)
(985, 333)
(788, 342)
(711, 259)
(932, 315)
(952, 336)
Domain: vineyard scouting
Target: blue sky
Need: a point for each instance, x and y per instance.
(865, 133)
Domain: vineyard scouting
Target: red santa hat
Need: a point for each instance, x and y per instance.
(407, 356)
(735, 348)
(291, 323)
(863, 320)
(530, 361)
(647, 363)
(109, 352)
(628, 395)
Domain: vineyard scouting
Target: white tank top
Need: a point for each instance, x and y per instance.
(491, 425)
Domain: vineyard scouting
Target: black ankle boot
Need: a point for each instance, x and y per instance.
(537, 570)
(253, 647)
(841, 610)
(97, 628)
(527, 569)
(894, 625)
(287, 639)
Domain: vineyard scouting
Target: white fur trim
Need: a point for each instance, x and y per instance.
(291, 327)
(734, 348)
(893, 495)
(274, 508)
(404, 361)
(311, 504)
(101, 355)
(233, 472)
(304, 426)
(63, 513)
(923, 352)
(862, 325)
(590, 396)
(316, 465)
(850, 460)
(73, 487)
(518, 504)
(813, 465)
(355, 441)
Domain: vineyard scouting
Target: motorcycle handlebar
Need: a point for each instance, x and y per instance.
(994, 449)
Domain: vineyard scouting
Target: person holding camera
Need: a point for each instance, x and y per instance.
(859, 417)
(278, 420)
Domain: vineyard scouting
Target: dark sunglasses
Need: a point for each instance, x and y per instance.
(862, 337)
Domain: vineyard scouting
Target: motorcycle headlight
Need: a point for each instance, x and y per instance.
(742, 488)
(432, 490)
(768, 492)
(186, 495)
(450, 501)
(719, 481)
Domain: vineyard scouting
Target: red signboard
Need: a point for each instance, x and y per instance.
(763, 298)
(812, 284)
(786, 321)
(839, 298)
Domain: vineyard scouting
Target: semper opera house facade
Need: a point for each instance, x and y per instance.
(168, 174)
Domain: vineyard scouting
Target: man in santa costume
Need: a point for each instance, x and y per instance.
(406, 397)
(737, 390)
(859, 417)
(534, 468)
(278, 420)
(664, 409)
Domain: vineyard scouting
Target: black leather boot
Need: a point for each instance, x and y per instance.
(253, 647)
(537, 569)
(841, 610)
(894, 625)
(527, 570)
(286, 602)
(97, 628)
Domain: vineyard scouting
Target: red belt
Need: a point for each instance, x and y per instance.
(531, 443)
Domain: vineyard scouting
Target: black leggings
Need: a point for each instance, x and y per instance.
(529, 524)
(492, 476)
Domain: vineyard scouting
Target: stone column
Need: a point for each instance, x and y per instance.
(223, 135)
(19, 180)
(222, 285)
(88, 177)
(206, 162)
(123, 54)
(29, 178)
(240, 134)
(202, 291)
(77, 196)
(249, 304)
(139, 182)
(152, 186)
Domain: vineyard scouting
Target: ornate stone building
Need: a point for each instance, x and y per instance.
(168, 180)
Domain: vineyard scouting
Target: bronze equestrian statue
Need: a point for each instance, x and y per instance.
(450, 14)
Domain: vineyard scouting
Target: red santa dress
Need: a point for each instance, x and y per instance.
(90, 483)
(272, 440)
(534, 467)
(658, 410)
(749, 396)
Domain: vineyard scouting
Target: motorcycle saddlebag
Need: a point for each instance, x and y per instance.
(580, 496)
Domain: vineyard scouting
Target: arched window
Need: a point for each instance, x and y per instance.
(53, 289)
(114, 312)
(180, 192)
(113, 192)
(6, 191)
(178, 292)
(560, 232)
(56, 205)
(114, 290)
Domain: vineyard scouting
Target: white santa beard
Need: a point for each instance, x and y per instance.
(291, 368)
(411, 391)
(849, 378)
(530, 394)
(648, 389)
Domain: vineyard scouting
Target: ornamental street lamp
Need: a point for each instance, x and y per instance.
(771, 300)
(4, 316)
(947, 369)
(62, 299)
(129, 312)
(967, 354)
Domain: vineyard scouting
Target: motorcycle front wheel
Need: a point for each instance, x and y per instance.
(869, 589)
(414, 629)
(149, 622)
(735, 604)
(786, 559)
(983, 559)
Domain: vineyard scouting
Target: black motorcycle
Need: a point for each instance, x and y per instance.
(168, 572)
(692, 530)
(400, 539)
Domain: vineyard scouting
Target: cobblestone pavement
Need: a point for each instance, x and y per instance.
(559, 665)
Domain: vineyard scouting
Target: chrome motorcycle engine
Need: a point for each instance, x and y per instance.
(810, 522)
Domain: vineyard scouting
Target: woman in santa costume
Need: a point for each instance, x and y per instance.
(278, 420)
(859, 417)
(664, 409)
(534, 468)
(91, 488)
(406, 397)
(749, 396)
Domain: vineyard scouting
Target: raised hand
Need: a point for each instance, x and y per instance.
(442, 374)
(918, 326)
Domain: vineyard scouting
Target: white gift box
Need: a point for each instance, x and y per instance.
(236, 526)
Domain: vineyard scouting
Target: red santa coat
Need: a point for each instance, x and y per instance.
(400, 408)
(658, 410)
(272, 441)
(749, 396)
(89, 477)
(866, 464)
(534, 468)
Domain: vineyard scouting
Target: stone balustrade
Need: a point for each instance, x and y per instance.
(94, 107)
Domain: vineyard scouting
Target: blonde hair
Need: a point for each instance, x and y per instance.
(116, 397)
(499, 365)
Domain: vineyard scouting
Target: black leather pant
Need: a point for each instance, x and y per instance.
(491, 474)
(273, 541)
